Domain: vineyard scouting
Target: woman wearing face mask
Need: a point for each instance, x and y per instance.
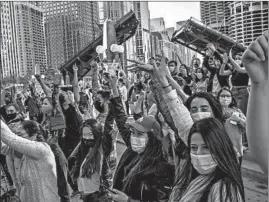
(50, 109)
(200, 81)
(203, 105)
(38, 168)
(235, 120)
(211, 172)
(204, 177)
(13, 160)
(88, 162)
(142, 173)
(239, 81)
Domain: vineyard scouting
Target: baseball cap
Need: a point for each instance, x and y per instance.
(147, 124)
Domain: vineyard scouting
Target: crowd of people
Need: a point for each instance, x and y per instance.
(185, 131)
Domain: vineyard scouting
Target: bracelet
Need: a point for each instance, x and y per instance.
(166, 86)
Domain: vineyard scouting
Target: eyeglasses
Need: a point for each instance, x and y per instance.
(223, 96)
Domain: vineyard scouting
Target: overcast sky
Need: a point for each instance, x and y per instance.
(173, 12)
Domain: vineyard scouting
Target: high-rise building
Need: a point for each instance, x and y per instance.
(248, 20)
(70, 26)
(23, 41)
(157, 24)
(216, 14)
(170, 31)
(9, 47)
(142, 36)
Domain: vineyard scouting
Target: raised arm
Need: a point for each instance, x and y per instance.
(177, 110)
(255, 60)
(224, 72)
(45, 88)
(119, 112)
(237, 67)
(95, 82)
(32, 149)
(75, 84)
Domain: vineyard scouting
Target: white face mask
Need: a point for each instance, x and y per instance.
(199, 75)
(225, 101)
(204, 164)
(200, 115)
(138, 144)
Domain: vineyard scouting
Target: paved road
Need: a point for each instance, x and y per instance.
(255, 191)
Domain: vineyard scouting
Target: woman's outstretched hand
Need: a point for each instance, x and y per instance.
(139, 66)
(255, 59)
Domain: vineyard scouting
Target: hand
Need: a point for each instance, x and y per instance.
(161, 72)
(113, 80)
(230, 54)
(120, 196)
(75, 68)
(225, 58)
(255, 59)
(94, 66)
(139, 66)
(234, 118)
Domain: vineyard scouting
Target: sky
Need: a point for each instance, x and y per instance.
(173, 12)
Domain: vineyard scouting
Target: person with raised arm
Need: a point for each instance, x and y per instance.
(255, 60)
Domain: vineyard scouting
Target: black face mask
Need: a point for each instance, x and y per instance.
(89, 142)
(11, 116)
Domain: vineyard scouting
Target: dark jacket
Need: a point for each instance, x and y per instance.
(147, 187)
(223, 80)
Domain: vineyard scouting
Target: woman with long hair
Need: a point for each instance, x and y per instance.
(207, 151)
(50, 109)
(204, 105)
(142, 173)
(88, 162)
(37, 177)
(235, 120)
(201, 81)
(211, 172)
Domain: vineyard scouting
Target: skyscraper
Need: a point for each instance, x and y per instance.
(142, 36)
(70, 26)
(23, 42)
(157, 24)
(216, 14)
(248, 20)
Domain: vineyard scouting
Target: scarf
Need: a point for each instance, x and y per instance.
(193, 192)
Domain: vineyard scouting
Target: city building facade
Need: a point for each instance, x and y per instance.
(216, 15)
(23, 39)
(248, 20)
(157, 24)
(70, 26)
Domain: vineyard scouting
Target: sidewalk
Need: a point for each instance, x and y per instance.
(252, 169)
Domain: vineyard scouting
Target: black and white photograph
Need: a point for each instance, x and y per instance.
(134, 101)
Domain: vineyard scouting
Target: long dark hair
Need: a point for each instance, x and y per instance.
(233, 103)
(228, 169)
(146, 162)
(214, 104)
(93, 157)
(33, 128)
(203, 73)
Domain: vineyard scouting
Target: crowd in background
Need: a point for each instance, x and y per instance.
(185, 131)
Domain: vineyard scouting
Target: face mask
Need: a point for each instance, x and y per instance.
(225, 101)
(204, 164)
(89, 142)
(200, 115)
(11, 116)
(138, 144)
(199, 75)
